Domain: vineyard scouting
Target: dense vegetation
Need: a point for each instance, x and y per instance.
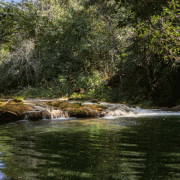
(121, 51)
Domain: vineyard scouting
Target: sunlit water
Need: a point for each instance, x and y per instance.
(126, 148)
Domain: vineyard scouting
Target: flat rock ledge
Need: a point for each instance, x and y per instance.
(34, 112)
(71, 112)
(35, 115)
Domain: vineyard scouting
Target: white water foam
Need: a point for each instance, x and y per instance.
(58, 114)
(113, 111)
(143, 113)
(121, 110)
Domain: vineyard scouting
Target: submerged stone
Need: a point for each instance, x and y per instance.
(95, 101)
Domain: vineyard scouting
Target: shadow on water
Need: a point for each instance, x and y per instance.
(126, 148)
(152, 148)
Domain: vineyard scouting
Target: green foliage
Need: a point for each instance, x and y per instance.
(61, 54)
(101, 92)
(4, 62)
(94, 85)
(41, 92)
(148, 66)
(50, 48)
(77, 96)
(156, 25)
(89, 81)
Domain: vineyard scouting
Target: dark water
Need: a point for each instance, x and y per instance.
(124, 148)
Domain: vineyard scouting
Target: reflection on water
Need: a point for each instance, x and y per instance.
(124, 148)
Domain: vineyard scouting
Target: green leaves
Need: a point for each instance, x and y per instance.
(160, 28)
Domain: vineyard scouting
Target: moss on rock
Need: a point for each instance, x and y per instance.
(77, 109)
(12, 111)
(82, 112)
(18, 107)
(63, 105)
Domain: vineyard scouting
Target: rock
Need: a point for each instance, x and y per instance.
(8, 116)
(46, 115)
(102, 114)
(176, 108)
(33, 115)
(56, 113)
(95, 101)
(83, 112)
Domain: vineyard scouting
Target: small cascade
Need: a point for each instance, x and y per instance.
(55, 114)
(43, 111)
(116, 110)
(121, 110)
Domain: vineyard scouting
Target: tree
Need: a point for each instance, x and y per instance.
(153, 53)
(157, 22)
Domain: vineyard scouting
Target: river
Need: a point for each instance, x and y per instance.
(142, 147)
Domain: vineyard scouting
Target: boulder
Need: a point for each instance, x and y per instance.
(83, 112)
(33, 115)
(9, 116)
(56, 113)
(44, 114)
(102, 113)
(95, 101)
(176, 108)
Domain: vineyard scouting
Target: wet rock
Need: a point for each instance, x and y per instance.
(176, 108)
(11, 111)
(56, 113)
(95, 101)
(46, 114)
(83, 112)
(8, 116)
(36, 115)
(120, 110)
(102, 114)
(33, 115)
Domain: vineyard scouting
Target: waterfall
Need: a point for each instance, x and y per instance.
(55, 114)
(42, 111)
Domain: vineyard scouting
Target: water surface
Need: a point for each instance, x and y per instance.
(96, 149)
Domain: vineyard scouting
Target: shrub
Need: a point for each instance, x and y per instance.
(18, 99)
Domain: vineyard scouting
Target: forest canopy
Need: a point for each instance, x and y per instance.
(116, 50)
